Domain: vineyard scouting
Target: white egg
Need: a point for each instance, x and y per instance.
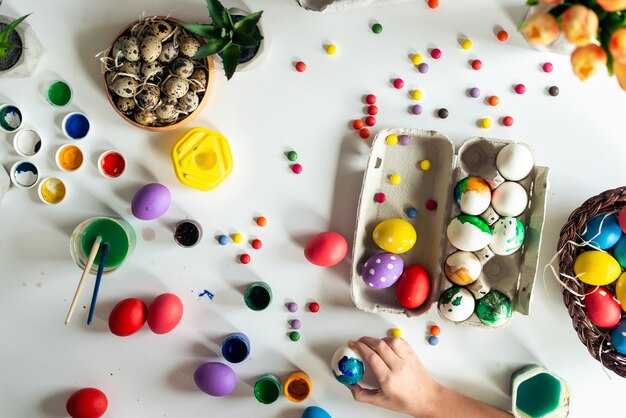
(347, 366)
(509, 199)
(462, 268)
(514, 162)
(456, 304)
(508, 236)
(468, 233)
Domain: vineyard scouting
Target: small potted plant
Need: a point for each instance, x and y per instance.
(11, 43)
(234, 35)
(20, 50)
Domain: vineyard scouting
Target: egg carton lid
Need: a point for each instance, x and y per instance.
(513, 275)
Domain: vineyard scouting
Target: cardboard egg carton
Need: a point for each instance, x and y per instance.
(513, 275)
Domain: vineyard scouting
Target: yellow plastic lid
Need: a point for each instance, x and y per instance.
(202, 159)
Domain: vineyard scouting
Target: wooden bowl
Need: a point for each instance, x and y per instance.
(209, 64)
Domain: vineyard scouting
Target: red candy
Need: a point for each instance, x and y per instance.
(547, 67)
(502, 35)
(520, 88)
(435, 53)
(296, 168)
(300, 66)
(507, 121)
(433, 4)
(431, 204)
(326, 249)
(87, 403)
(370, 99)
(364, 133)
(244, 259)
(380, 197)
(477, 64)
(357, 124)
(398, 83)
(314, 307)
(127, 317)
(370, 121)
(372, 110)
(256, 244)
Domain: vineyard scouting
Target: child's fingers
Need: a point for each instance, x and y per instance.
(383, 349)
(371, 396)
(399, 346)
(371, 357)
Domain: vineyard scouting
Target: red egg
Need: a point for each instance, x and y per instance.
(621, 219)
(603, 310)
(127, 317)
(164, 313)
(87, 403)
(413, 287)
(326, 249)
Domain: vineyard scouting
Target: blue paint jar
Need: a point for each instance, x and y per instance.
(75, 125)
(236, 348)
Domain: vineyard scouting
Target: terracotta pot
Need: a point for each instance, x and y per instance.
(209, 64)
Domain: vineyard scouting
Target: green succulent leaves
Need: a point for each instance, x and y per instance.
(5, 45)
(225, 37)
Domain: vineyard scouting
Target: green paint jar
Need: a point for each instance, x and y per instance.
(267, 389)
(59, 93)
(258, 296)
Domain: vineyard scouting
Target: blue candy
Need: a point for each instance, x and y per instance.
(411, 212)
(610, 234)
(432, 340)
(222, 239)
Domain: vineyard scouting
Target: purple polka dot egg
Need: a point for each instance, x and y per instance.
(382, 270)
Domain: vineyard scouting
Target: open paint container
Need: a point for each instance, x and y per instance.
(267, 389)
(187, 233)
(27, 142)
(236, 347)
(24, 174)
(52, 190)
(111, 164)
(10, 118)
(75, 125)
(59, 93)
(69, 158)
(297, 387)
(258, 296)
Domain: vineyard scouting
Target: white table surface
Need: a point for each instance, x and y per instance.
(264, 113)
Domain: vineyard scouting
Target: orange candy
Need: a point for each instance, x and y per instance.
(364, 133)
(261, 221)
(435, 330)
(502, 35)
(357, 124)
(493, 100)
(433, 4)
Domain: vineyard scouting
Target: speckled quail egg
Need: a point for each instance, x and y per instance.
(182, 67)
(130, 67)
(109, 77)
(144, 117)
(175, 87)
(166, 100)
(166, 112)
(130, 48)
(149, 70)
(160, 28)
(126, 105)
(189, 102)
(118, 48)
(150, 48)
(169, 52)
(199, 75)
(189, 46)
(124, 86)
(148, 97)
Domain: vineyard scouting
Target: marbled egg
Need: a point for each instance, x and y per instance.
(468, 233)
(169, 53)
(509, 199)
(182, 67)
(462, 268)
(175, 87)
(200, 77)
(124, 86)
(494, 309)
(130, 67)
(395, 235)
(618, 337)
(189, 46)
(150, 48)
(160, 29)
(514, 162)
(347, 366)
(382, 270)
(189, 102)
(596, 268)
(150, 70)
(148, 97)
(126, 105)
(473, 195)
(507, 235)
(603, 310)
(130, 48)
(456, 304)
(145, 117)
(602, 231)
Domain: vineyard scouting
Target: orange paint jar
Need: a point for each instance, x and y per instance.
(297, 387)
(69, 158)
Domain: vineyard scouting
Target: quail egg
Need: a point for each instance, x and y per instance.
(130, 67)
(200, 80)
(182, 67)
(118, 48)
(148, 97)
(169, 52)
(166, 112)
(110, 78)
(189, 46)
(126, 105)
(149, 70)
(150, 48)
(160, 28)
(124, 86)
(144, 117)
(175, 87)
(189, 102)
(130, 48)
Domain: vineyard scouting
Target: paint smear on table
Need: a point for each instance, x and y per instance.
(148, 234)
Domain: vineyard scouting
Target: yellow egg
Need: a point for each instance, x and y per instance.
(620, 291)
(395, 235)
(596, 268)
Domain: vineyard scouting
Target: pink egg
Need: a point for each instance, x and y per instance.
(413, 286)
(326, 249)
(164, 313)
(151, 201)
(603, 310)
(621, 219)
(127, 317)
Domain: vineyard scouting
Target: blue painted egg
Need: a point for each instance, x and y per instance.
(618, 337)
(315, 412)
(605, 238)
(619, 251)
(347, 366)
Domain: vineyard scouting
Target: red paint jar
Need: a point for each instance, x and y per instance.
(111, 164)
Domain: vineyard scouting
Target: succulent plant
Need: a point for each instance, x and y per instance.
(5, 45)
(226, 37)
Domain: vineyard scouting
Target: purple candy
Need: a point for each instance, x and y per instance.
(417, 109)
(474, 92)
(423, 68)
(216, 379)
(296, 324)
(292, 307)
(404, 139)
(382, 270)
(151, 201)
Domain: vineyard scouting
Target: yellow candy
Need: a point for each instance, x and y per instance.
(596, 268)
(416, 94)
(395, 179)
(425, 165)
(395, 332)
(331, 49)
(620, 291)
(237, 238)
(466, 44)
(395, 235)
(485, 123)
(392, 139)
(416, 59)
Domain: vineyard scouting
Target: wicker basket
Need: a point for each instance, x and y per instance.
(593, 337)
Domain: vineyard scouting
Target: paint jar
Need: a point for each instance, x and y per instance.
(59, 93)
(112, 230)
(111, 164)
(258, 296)
(267, 389)
(187, 233)
(75, 125)
(24, 174)
(10, 118)
(27, 143)
(69, 158)
(236, 347)
(52, 190)
(297, 387)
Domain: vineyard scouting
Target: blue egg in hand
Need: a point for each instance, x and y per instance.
(347, 366)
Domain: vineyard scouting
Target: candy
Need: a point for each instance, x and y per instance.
(411, 212)
(466, 44)
(474, 92)
(377, 28)
(507, 121)
(222, 239)
(398, 83)
(417, 59)
(370, 99)
(431, 204)
(433, 4)
(547, 67)
(417, 109)
(364, 133)
(314, 307)
(296, 324)
(477, 64)
(519, 88)
(395, 332)
(256, 244)
(294, 336)
(379, 197)
(443, 113)
(425, 165)
(357, 124)
(261, 221)
(423, 68)
(300, 66)
(372, 110)
(244, 259)
(370, 121)
(502, 35)
(292, 307)
(493, 100)
(292, 156)
(553, 91)
(416, 94)
(434, 330)
(435, 53)
(395, 179)
(432, 340)
(391, 139)
(237, 238)
(296, 168)
(331, 49)
(485, 123)
(404, 139)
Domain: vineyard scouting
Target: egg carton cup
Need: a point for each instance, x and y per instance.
(31, 53)
(513, 275)
(340, 5)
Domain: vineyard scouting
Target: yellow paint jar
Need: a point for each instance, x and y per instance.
(52, 190)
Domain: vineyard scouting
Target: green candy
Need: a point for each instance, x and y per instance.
(294, 335)
(292, 156)
(377, 28)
